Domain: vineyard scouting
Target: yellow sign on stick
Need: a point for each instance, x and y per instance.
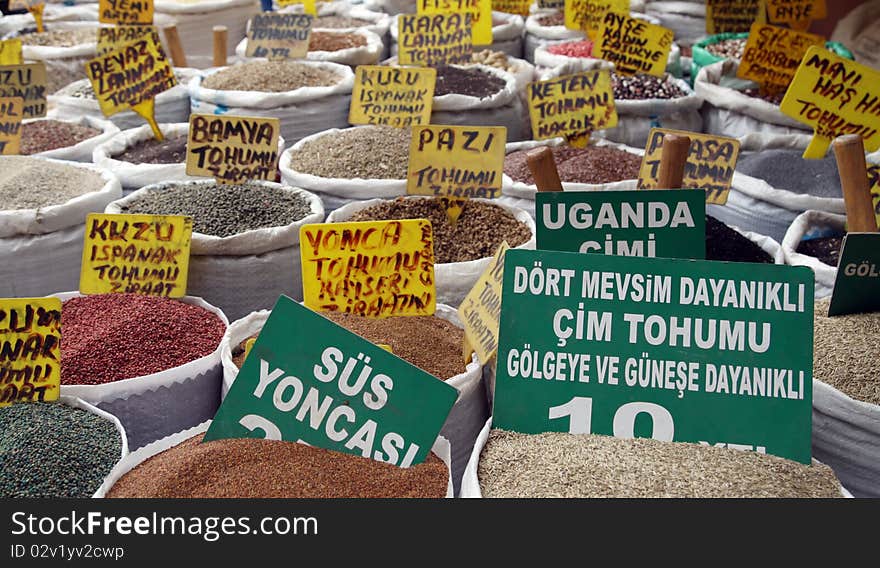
(772, 55)
(456, 161)
(35, 7)
(11, 113)
(30, 350)
(131, 77)
(370, 268)
(572, 106)
(835, 96)
(480, 311)
(710, 164)
(232, 149)
(27, 81)
(139, 254)
(125, 12)
(480, 11)
(435, 39)
(309, 5)
(588, 15)
(10, 52)
(797, 14)
(276, 36)
(518, 7)
(111, 38)
(733, 16)
(633, 45)
(392, 96)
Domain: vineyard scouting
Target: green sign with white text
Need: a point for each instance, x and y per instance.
(679, 350)
(662, 223)
(308, 379)
(857, 285)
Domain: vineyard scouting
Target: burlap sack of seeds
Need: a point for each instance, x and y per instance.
(813, 224)
(195, 20)
(81, 151)
(368, 54)
(154, 406)
(41, 249)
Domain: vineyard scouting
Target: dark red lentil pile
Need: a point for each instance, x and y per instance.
(472, 82)
(261, 469)
(45, 135)
(826, 249)
(477, 234)
(171, 150)
(111, 337)
(593, 164)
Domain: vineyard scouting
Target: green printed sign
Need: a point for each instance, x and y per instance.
(667, 223)
(717, 353)
(308, 379)
(857, 285)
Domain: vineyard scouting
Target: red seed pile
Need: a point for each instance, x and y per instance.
(264, 469)
(593, 164)
(110, 337)
(45, 135)
(583, 48)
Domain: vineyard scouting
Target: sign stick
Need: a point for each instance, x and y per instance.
(849, 150)
(672, 161)
(37, 12)
(543, 169)
(174, 45)
(220, 35)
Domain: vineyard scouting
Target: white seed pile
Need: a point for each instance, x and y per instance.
(561, 465)
(846, 352)
(31, 183)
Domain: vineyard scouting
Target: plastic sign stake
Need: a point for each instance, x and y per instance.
(27, 81)
(456, 161)
(480, 12)
(110, 38)
(733, 16)
(11, 114)
(369, 268)
(433, 40)
(139, 254)
(35, 7)
(392, 96)
(232, 149)
(672, 349)
(633, 45)
(572, 106)
(588, 15)
(480, 311)
(835, 96)
(308, 5)
(772, 54)
(125, 12)
(279, 36)
(30, 350)
(10, 52)
(797, 14)
(857, 284)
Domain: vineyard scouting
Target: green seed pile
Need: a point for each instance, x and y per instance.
(562, 465)
(224, 210)
(846, 353)
(270, 77)
(32, 183)
(54, 450)
(365, 152)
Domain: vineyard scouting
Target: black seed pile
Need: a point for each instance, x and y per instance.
(826, 249)
(223, 210)
(473, 82)
(786, 169)
(49, 449)
(724, 243)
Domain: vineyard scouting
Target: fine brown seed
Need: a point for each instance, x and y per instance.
(270, 77)
(334, 41)
(846, 353)
(593, 164)
(44, 135)
(364, 152)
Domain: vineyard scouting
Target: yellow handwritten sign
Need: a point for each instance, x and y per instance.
(633, 45)
(710, 163)
(125, 12)
(11, 112)
(434, 39)
(480, 11)
(131, 77)
(456, 161)
(552, 4)
(480, 311)
(111, 38)
(772, 55)
(27, 81)
(518, 7)
(232, 149)
(835, 96)
(588, 15)
(30, 350)
(797, 14)
(139, 254)
(10, 52)
(309, 5)
(733, 16)
(392, 96)
(874, 184)
(370, 268)
(274, 35)
(572, 105)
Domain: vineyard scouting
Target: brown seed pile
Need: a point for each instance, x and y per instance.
(339, 22)
(477, 234)
(846, 352)
(641, 86)
(555, 19)
(593, 164)
(732, 48)
(472, 82)
(562, 465)
(774, 98)
(430, 343)
(61, 38)
(497, 59)
(44, 135)
(32, 183)
(334, 41)
(365, 152)
(264, 469)
(171, 150)
(270, 77)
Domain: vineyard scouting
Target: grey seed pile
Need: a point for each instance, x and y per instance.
(54, 450)
(365, 152)
(732, 48)
(224, 210)
(562, 465)
(270, 77)
(641, 86)
(61, 38)
(786, 169)
(846, 353)
(31, 183)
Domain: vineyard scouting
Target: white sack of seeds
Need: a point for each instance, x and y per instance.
(545, 58)
(81, 151)
(537, 34)
(686, 19)
(368, 54)
(195, 20)
(813, 224)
